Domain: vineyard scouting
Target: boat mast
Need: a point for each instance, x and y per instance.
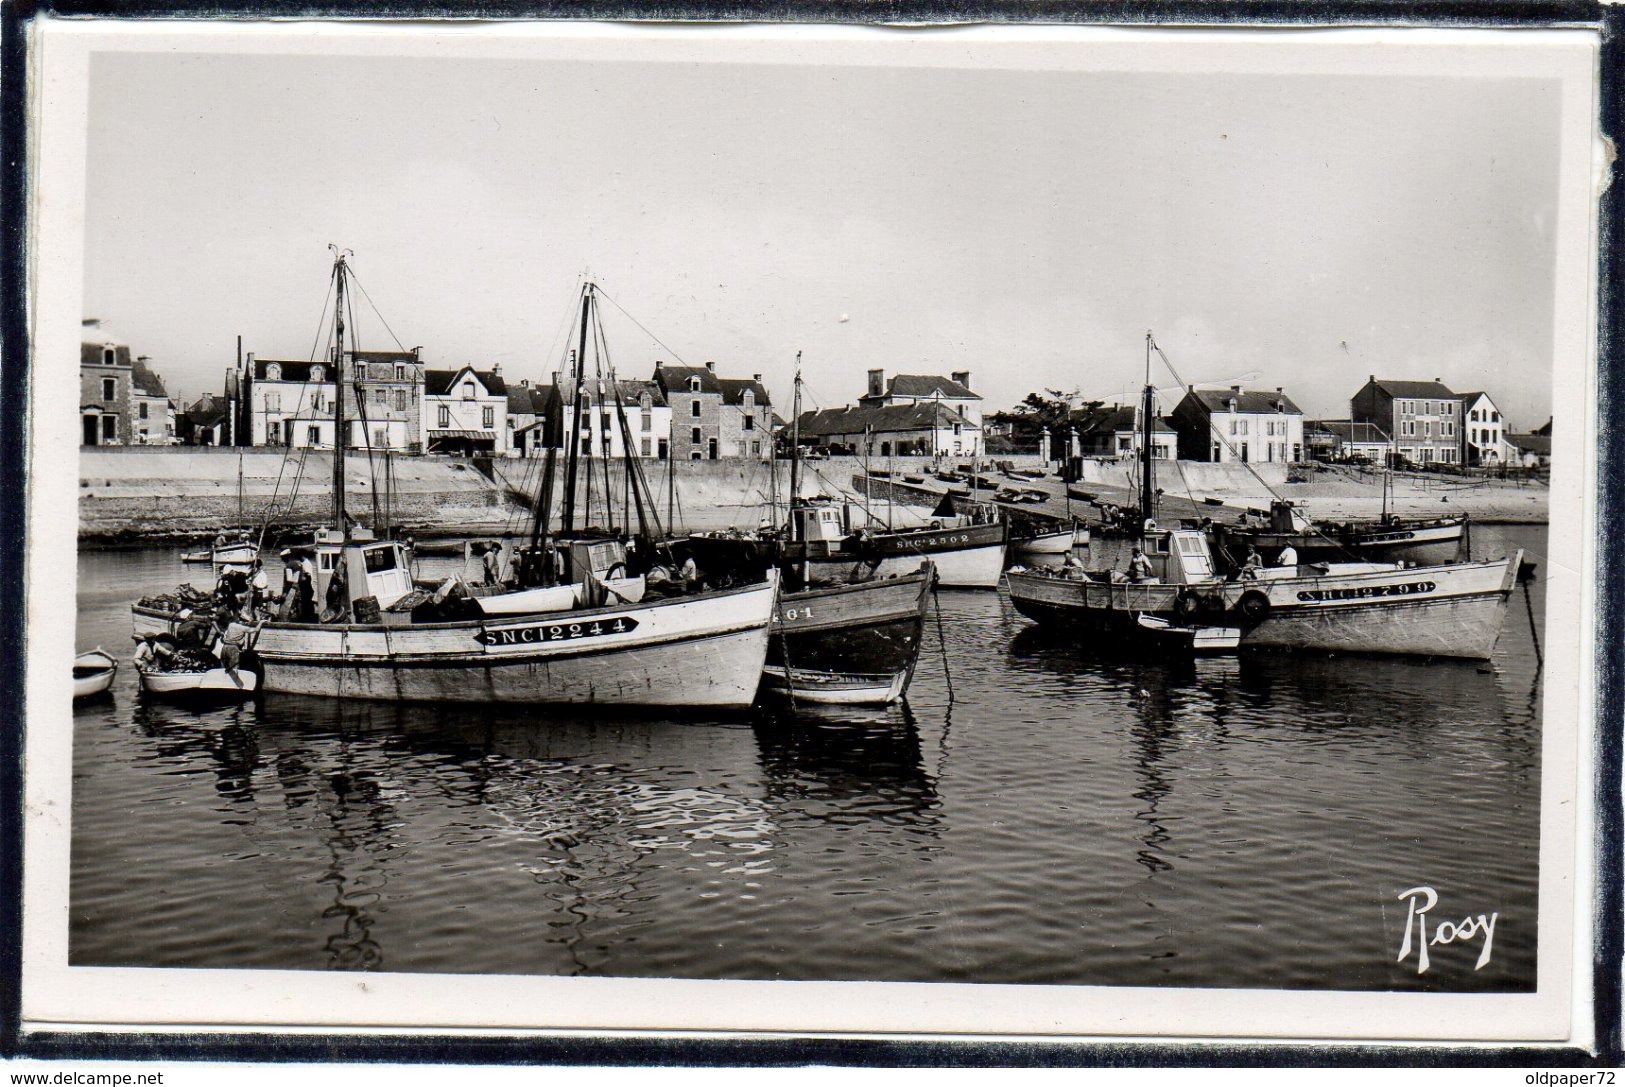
(1148, 490)
(339, 520)
(568, 519)
(795, 438)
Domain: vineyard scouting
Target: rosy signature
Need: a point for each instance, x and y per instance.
(1422, 901)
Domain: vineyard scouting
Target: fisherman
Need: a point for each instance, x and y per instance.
(154, 652)
(232, 587)
(1250, 565)
(298, 590)
(338, 597)
(492, 564)
(1139, 567)
(231, 640)
(690, 573)
(1071, 567)
(194, 631)
(1288, 556)
(258, 588)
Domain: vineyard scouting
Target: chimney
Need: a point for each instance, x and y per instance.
(524, 383)
(1236, 389)
(756, 378)
(91, 322)
(558, 378)
(417, 354)
(877, 383)
(962, 377)
(711, 364)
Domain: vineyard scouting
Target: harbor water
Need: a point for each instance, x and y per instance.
(1039, 812)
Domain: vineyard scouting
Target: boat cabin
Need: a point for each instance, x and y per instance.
(372, 567)
(1285, 517)
(1185, 558)
(827, 524)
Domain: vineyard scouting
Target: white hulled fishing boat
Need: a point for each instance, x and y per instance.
(392, 639)
(1448, 610)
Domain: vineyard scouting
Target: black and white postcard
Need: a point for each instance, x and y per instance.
(990, 531)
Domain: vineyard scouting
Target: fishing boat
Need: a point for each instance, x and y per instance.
(1191, 637)
(1449, 610)
(1394, 539)
(1057, 542)
(93, 673)
(231, 553)
(395, 639)
(831, 545)
(211, 683)
(850, 644)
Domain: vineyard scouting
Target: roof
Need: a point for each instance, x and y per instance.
(1248, 401)
(292, 370)
(382, 356)
(894, 417)
(631, 392)
(439, 382)
(528, 399)
(90, 353)
(1540, 444)
(732, 390)
(1413, 390)
(1468, 398)
(924, 386)
(146, 381)
(676, 378)
(208, 411)
(1344, 430)
(1112, 420)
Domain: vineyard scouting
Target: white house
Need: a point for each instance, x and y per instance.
(1483, 432)
(954, 391)
(929, 428)
(465, 411)
(289, 403)
(152, 412)
(642, 404)
(1236, 424)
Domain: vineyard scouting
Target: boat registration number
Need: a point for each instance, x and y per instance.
(1365, 592)
(557, 632)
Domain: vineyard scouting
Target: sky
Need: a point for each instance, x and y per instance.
(1027, 226)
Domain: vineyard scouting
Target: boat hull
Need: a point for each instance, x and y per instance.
(966, 557)
(855, 644)
(1048, 543)
(1437, 611)
(214, 683)
(700, 651)
(93, 673)
(835, 688)
(1423, 544)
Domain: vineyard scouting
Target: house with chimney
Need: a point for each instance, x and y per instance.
(533, 419)
(152, 412)
(1249, 426)
(639, 406)
(465, 411)
(1422, 417)
(1111, 430)
(925, 428)
(714, 417)
(106, 377)
(284, 403)
(953, 391)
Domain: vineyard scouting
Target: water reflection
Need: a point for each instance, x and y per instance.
(847, 765)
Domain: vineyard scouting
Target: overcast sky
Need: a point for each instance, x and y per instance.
(1026, 226)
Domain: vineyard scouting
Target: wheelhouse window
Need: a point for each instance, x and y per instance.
(379, 559)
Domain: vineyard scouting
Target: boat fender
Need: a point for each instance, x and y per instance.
(1254, 606)
(1187, 603)
(612, 573)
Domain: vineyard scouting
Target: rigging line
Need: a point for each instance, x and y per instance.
(361, 410)
(321, 327)
(360, 287)
(645, 331)
(568, 324)
(1228, 444)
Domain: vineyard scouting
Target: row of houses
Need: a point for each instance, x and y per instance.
(1415, 422)
(396, 402)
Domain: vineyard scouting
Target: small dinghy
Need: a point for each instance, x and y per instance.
(93, 673)
(835, 688)
(210, 683)
(1194, 639)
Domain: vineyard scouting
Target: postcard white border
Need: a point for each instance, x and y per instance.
(57, 996)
